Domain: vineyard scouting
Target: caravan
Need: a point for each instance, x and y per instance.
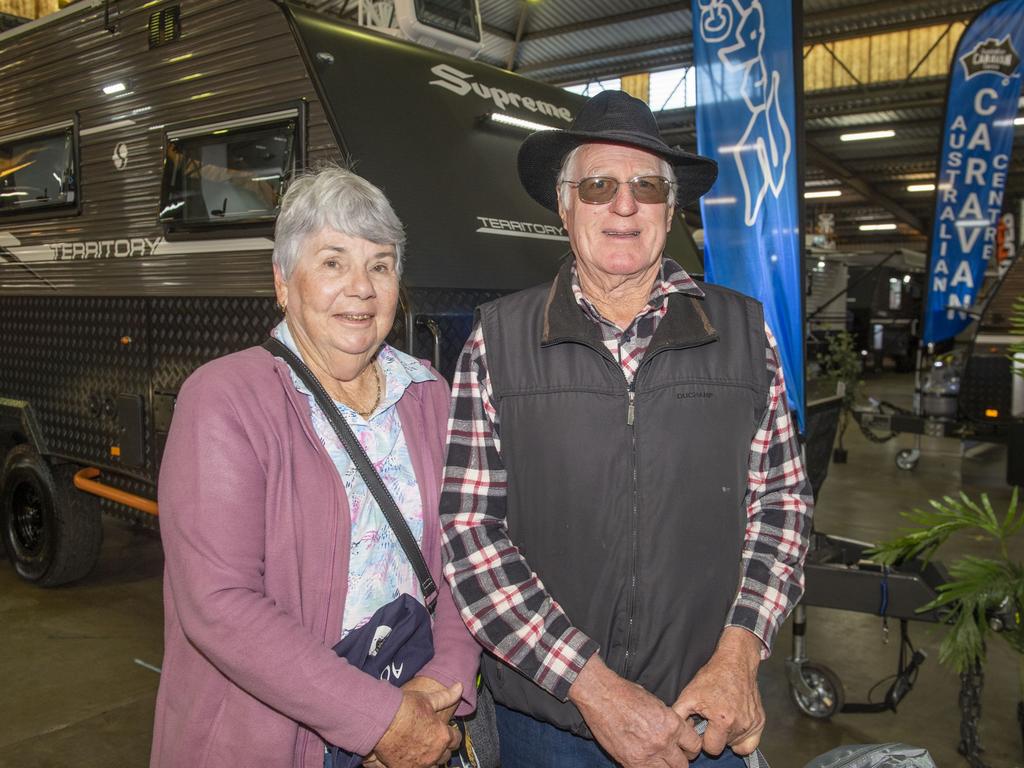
(144, 148)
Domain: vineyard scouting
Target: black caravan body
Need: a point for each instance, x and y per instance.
(144, 149)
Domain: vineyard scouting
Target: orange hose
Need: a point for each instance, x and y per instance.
(84, 482)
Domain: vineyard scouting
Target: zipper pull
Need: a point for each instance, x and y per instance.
(631, 410)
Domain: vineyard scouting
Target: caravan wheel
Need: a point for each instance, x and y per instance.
(907, 459)
(822, 695)
(52, 531)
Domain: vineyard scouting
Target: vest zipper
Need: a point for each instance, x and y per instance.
(630, 422)
(630, 418)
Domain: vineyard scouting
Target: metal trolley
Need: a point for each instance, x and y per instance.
(838, 575)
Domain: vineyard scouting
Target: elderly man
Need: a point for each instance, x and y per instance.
(625, 509)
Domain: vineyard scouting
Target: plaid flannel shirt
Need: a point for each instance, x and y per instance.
(504, 603)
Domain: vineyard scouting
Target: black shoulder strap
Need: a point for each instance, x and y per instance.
(369, 473)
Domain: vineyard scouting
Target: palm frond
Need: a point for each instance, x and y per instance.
(932, 527)
(1014, 518)
(978, 580)
(976, 584)
(964, 643)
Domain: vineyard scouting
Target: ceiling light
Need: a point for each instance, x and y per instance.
(821, 265)
(865, 135)
(1018, 121)
(517, 122)
(906, 279)
(823, 193)
(920, 187)
(877, 227)
(113, 88)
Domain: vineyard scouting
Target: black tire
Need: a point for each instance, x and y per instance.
(827, 695)
(52, 531)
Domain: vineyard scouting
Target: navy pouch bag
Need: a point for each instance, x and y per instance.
(393, 645)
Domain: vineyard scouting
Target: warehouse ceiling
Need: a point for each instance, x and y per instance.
(565, 42)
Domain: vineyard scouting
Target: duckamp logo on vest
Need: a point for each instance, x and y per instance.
(457, 82)
(694, 395)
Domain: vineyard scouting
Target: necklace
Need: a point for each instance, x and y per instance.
(376, 400)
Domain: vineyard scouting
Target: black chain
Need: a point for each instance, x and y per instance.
(866, 431)
(971, 683)
(872, 437)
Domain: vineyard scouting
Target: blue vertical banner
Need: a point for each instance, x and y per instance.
(746, 120)
(981, 103)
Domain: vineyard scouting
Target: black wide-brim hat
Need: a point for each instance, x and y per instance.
(612, 117)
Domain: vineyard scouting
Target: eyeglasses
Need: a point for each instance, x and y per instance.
(597, 190)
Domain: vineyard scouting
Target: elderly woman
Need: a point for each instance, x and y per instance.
(275, 549)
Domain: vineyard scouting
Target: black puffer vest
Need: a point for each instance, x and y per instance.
(627, 501)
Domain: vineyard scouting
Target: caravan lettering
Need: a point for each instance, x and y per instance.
(104, 249)
(457, 82)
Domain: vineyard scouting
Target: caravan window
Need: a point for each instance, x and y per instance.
(457, 17)
(232, 172)
(37, 169)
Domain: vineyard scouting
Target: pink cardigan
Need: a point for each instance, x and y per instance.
(255, 576)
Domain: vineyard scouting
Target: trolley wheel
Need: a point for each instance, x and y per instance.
(907, 458)
(52, 531)
(825, 697)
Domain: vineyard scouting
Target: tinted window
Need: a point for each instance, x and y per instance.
(38, 170)
(228, 174)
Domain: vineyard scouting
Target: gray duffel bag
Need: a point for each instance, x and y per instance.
(874, 756)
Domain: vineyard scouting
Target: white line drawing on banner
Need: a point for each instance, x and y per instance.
(715, 20)
(762, 152)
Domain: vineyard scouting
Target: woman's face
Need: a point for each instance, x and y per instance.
(341, 299)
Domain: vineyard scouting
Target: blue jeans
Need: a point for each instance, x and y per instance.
(529, 743)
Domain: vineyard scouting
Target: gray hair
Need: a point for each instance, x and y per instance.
(339, 199)
(568, 173)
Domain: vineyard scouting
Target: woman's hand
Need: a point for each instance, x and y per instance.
(418, 737)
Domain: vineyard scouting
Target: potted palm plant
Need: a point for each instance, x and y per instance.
(982, 597)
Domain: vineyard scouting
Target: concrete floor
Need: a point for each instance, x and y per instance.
(73, 694)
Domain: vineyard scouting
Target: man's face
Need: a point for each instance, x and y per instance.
(621, 237)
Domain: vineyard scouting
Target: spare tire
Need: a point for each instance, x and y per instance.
(52, 531)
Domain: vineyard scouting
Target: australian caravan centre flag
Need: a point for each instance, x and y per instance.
(981, 103)
(746, 119)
